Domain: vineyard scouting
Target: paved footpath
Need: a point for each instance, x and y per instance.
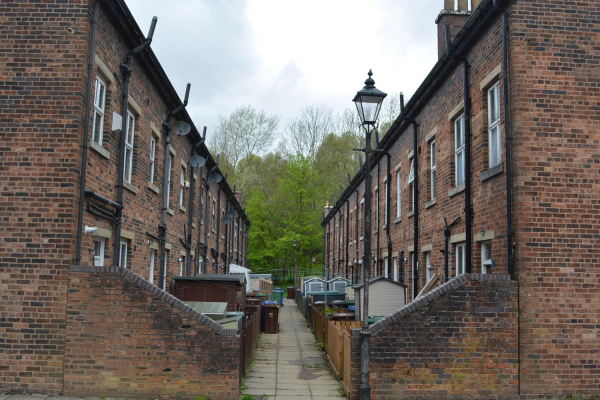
(289, 365)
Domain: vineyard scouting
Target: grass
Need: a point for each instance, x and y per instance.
(341, 391)
(248, 397)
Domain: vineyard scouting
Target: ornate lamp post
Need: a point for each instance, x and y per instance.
(368, 104)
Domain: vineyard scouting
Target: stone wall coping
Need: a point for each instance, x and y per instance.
(157, 292)
(438, 292)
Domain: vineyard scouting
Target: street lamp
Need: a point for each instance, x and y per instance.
(368, 104)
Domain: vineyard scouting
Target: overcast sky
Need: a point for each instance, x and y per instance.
(280, 55)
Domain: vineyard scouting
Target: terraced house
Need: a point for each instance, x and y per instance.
(491, 168)
(98, 171)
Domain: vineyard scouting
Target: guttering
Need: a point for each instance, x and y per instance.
(463, 41)
(104, 200)
(86, 128)
(126, 69)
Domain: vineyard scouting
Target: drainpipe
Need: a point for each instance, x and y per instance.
(388, 204)
(347, 233)
(467, 112)
(86, 128)
(377, 225)
(415, 260)
(218, 219)
(333, 238)
(166, 125)
(507, 139)
(237, 242)
(401, 271)
(191, 205)
(126, 69)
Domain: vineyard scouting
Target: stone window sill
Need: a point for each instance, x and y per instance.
(492, 172)
(361, 238)
(397, 220)
(431, 203)
(100, 150)
(411, 213)
(182, 208)
(170, 211)
(130, 187)
(458, 189)
(193, 225)
(153, 187)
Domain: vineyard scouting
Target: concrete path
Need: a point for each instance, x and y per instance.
(289, 365)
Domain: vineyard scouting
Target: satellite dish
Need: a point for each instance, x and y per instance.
(213, 177)
(180, 128)
(245, 233)
(230, 214)
(226, 219)
(197, 161)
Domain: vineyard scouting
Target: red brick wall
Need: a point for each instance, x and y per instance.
(41, 110)
(459, 341)
(556, 64)
(126, 338)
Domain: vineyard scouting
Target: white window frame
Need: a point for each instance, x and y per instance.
(459, 255)
(152, 158)
(385, 210)
(486, 257)
(99, 108)
(411, 182)
(129, 137)
(181, 264)
(396, 269)
(166, 265)
(182, 187)
(200, 261)
(377, 209)
(152, 261)
(494, 143)
(398, 195)
(459, 150)
(433, 175)
(99, 246)
(386, 266)
(124, 247)
(428, 266)
(168, 172)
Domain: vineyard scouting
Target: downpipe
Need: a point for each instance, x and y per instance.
(86, 128)
(126, 70)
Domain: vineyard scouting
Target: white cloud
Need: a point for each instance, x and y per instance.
(280, 55)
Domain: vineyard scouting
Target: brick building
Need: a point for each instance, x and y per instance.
(501, 138)
(65, 166)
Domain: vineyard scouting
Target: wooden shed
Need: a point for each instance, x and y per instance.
(385, 296)
(338, 284)
(230, 289)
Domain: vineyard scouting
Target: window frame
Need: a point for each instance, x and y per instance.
(124, 244)
(385, 205)
(168, 172)
(411, 182)
(433, 170)
(427, 266)
(182, 187)
(459, 150)
(129, 141)
(494, 145)
(486, 257)
(460, 247)
(152, 158)
(99, 110)
(398, 195)
(152, 261)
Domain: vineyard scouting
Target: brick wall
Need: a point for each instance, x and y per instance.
(126, 338)
(41, 108)
(556, 64)
(460, 341)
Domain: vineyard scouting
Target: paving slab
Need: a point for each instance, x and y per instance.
(288, 364)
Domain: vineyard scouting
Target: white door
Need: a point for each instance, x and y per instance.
(99, 252)
(395, 270)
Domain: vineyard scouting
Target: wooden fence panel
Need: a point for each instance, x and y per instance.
(347, 382)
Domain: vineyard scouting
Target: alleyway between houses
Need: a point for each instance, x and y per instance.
(289, 365)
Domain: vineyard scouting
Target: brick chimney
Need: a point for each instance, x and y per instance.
(327, 209)
(455, 16)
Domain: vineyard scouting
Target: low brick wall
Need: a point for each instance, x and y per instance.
(460, 341)
(127, 338)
